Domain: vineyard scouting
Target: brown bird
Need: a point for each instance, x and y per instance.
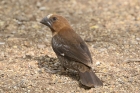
(71, 50)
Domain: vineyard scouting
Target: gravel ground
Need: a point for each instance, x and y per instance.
(111, 29)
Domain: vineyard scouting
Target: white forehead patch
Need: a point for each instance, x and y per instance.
(62, 54)
(49, 15)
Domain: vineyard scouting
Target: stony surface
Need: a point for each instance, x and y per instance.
(111, 29)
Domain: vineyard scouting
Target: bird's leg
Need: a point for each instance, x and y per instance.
(60, 70)
(64, 68)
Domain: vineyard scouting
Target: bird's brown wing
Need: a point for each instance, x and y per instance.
(72, 48)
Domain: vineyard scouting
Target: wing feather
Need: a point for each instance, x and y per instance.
(73, 48)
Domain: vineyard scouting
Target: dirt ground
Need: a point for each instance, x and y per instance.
(111, 28)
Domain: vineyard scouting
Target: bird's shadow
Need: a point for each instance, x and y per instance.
(52, 65)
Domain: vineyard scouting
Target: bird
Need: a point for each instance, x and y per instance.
(71, 49)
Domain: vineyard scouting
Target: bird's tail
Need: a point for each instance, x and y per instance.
(90, 79)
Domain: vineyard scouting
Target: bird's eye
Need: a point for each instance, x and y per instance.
(54, 18)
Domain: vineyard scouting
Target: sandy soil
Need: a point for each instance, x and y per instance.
(111, 29)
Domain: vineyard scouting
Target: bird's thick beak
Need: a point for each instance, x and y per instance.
(46, 22)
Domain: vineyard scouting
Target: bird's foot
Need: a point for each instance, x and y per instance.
(55, 71)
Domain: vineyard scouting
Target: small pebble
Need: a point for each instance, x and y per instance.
(98, 63)
(42, 8)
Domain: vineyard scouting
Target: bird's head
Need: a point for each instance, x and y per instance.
(55, 22)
